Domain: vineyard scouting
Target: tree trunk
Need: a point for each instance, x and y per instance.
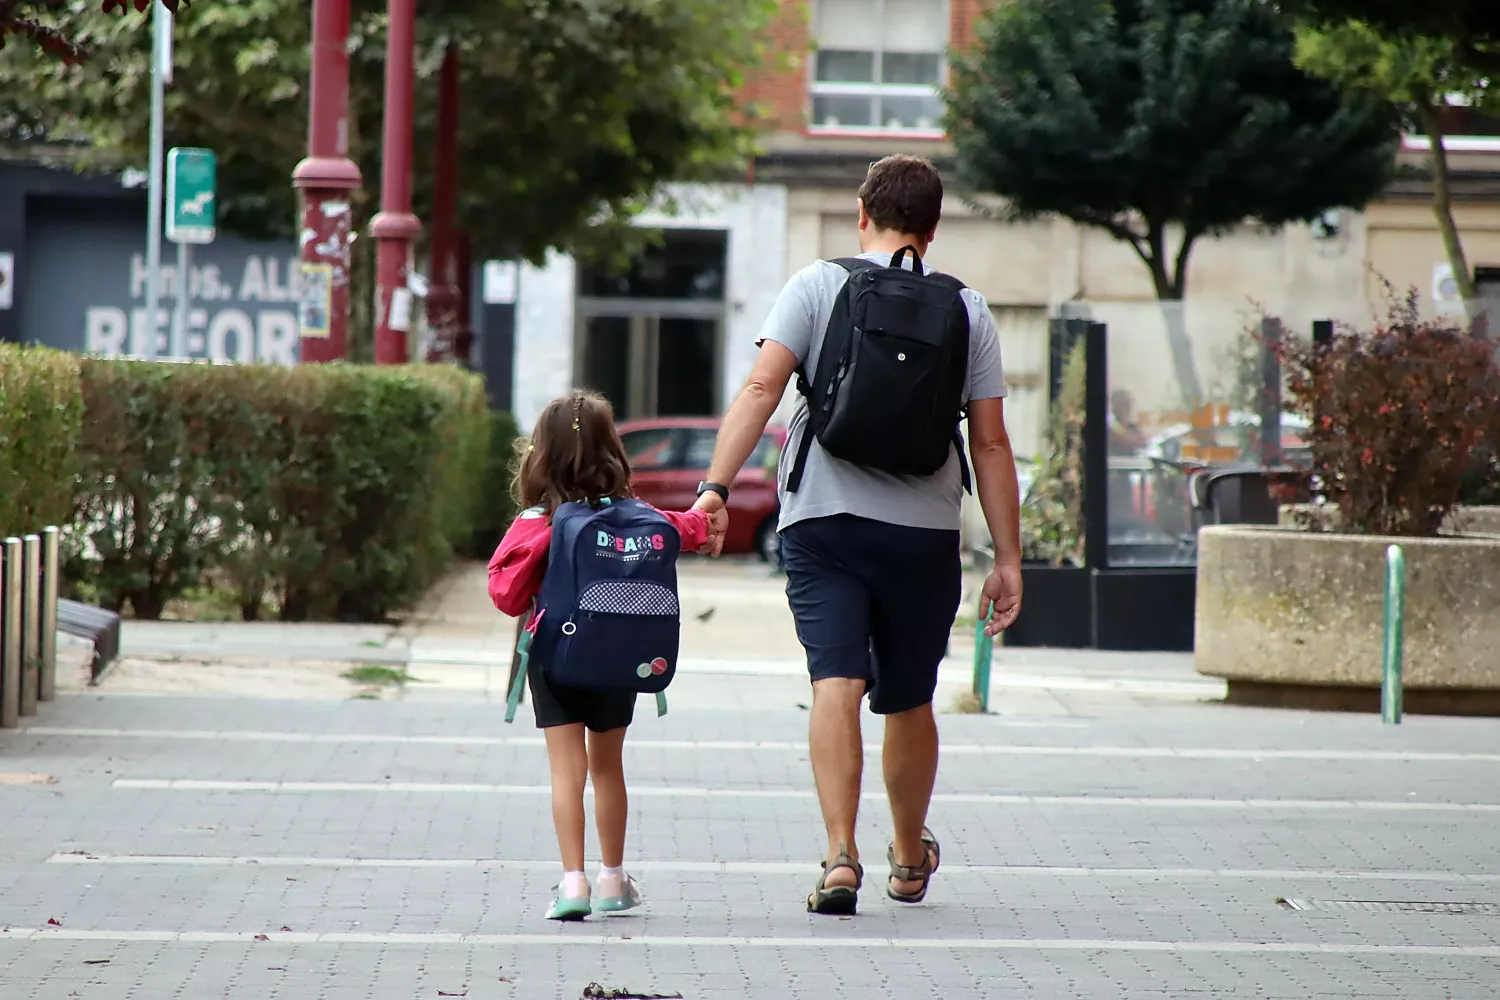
(1442, 207)
(1169, 294)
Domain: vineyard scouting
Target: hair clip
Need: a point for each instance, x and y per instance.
(575, 426)
(531, 447)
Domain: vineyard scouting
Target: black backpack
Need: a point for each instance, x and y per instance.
(888, 392)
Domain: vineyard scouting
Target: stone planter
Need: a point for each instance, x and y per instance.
(1463, 521)
(1296, 618)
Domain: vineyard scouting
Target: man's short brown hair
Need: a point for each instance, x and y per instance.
(903, 194)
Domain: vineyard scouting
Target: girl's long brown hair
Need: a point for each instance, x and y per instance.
(575, 453)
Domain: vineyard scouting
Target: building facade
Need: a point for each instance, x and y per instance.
(859, 79)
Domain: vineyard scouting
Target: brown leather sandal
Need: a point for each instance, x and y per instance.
(922, 873)
(837, 900)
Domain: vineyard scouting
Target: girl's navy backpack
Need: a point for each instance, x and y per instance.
(607, 617)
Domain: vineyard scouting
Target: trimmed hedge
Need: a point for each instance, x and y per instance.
(40, 414)
(320, 492)
(497, 502)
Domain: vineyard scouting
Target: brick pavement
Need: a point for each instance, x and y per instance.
(1148, 865)
(1107, 835)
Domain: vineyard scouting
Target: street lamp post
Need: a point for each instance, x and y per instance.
(395, 228)
(161, 74)
(326, 179)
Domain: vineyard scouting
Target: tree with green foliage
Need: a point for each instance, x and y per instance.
(39, 21)
(1471, 27)
(573, 111)
(1160, 122)
(1420, 76)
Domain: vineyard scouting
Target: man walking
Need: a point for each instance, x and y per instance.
(889, 357)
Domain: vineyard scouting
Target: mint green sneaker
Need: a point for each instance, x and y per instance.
(569, 907)
(617, 894)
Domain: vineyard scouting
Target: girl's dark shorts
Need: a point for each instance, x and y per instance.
(600, 711)
(875, 602)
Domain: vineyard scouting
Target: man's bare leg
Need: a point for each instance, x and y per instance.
(838, 758)
(910, 760)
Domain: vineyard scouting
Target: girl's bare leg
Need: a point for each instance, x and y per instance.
(569, 761)
(611, 802)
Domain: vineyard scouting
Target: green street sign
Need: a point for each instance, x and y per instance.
(190, 195)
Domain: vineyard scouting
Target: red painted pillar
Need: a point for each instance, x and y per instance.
(326, 178)
(395, 228)
(463, 342)
(442, 296)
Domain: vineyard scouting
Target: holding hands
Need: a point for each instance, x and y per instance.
(718, 521)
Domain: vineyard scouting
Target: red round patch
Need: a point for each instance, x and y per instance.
(658, 666)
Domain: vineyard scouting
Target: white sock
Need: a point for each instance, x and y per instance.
(607, 872)
(575, 885)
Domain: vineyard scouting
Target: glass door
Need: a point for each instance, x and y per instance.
(650, 365)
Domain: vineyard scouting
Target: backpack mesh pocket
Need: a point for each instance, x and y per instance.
(628, 597)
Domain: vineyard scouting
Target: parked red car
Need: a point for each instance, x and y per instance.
(669, 457)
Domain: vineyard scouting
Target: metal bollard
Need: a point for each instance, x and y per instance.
(10, 634)
(51, 576)
(31, 622)
(1395, 611)
(984, 650)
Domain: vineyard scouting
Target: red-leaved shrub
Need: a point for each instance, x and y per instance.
(1396, 415)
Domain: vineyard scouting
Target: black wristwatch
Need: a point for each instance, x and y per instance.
(723, 491)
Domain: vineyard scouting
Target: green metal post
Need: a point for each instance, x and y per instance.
(1395, 610)
(984, 649)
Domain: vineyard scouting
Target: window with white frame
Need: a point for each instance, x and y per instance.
(879, 66)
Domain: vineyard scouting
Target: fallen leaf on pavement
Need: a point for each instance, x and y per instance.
(463, 994)
(285, 929)
(96, 961)
(53, 922)
(261, 937)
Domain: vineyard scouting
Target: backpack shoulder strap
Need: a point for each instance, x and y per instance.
(850, 264)
(523, 646)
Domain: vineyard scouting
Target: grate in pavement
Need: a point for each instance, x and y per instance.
(1393, 906)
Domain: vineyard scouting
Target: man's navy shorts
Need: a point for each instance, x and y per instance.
(875, 602)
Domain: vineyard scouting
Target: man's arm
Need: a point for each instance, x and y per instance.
(745, 422)
(1000, 498)
(751, 410)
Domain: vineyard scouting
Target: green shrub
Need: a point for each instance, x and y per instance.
(40, 411)
(144, 526)
(1052, 514)
(496, 504)
(338, 491)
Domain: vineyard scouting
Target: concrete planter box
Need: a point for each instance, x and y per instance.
(1296, 618)
(1463, 521)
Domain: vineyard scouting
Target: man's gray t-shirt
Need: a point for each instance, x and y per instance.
(832, 486)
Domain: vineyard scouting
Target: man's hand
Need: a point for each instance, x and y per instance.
(718, 521)
(1002, 593)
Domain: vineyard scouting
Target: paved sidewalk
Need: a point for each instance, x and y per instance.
(739, 646)
(254, 848)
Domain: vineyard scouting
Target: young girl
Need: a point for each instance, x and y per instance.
(575, 454)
